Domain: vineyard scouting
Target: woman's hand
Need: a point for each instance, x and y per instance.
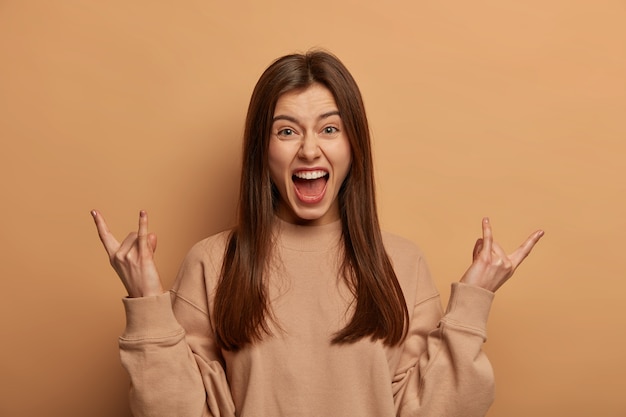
(133, 259)
(491, 266)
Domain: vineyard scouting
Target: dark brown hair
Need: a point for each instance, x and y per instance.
(241, 307)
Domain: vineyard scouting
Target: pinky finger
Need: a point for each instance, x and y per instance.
(142, 234)
(487, 236)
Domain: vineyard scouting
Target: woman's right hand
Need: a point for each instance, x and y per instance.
(133, 259)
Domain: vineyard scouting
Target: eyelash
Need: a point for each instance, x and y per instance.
(328, 130)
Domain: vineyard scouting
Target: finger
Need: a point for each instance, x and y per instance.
(152, 241)
(126, 254)
(499, 254)
(477, 248)
(128, 244)
(522, 252)
(111, 245)
(143, 245)
(487, 237)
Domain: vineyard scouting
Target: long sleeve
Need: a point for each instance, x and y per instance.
(442, 369)
(169, 352)
(176, 369)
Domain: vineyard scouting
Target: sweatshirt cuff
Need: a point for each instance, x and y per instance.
(149, 317)
(469, 305)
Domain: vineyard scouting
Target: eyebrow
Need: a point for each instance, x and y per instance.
(294, 120)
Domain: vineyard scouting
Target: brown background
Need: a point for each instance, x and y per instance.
(510, 109)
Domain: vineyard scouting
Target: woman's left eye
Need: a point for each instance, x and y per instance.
(330, 130)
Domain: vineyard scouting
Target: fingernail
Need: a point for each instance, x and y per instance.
(93, 213)
(485, 219)
(142, 213)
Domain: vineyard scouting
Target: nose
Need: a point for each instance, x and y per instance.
(309, 147)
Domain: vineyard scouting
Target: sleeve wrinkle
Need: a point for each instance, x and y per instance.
(189, 302)
(451, 323)
(179, 332)
(426, 299)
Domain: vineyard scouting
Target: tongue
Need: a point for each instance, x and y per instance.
(310, 188)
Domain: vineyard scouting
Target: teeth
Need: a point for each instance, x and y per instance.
(310, 175)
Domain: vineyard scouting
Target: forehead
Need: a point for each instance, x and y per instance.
(313, 100)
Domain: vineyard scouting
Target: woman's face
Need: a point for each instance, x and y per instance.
(309, 155)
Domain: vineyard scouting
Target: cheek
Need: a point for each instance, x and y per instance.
(344, 159)
(275, 176)
(278, 163)
(345, 172)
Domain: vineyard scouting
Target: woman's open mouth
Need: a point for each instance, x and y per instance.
(310, 186)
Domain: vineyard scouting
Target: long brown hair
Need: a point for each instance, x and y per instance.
(241, 308)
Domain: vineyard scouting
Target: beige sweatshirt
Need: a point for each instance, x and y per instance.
(176, 368)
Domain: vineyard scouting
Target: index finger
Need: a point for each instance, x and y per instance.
(524, 250)
(108, 240)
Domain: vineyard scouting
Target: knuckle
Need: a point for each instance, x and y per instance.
(497, 262)
(118, 257)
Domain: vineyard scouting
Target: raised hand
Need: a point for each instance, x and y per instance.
(491, 266)
(133, 259)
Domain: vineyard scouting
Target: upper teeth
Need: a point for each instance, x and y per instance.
(310, 175)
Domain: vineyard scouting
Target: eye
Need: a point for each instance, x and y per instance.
(285, 132)
(330, 130)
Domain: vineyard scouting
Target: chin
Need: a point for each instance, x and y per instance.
(318, 216)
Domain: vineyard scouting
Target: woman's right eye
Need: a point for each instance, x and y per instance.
(285, 132)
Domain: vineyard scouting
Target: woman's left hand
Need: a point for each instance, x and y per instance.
(491, 266)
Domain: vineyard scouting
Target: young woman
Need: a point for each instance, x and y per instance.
(306, 308)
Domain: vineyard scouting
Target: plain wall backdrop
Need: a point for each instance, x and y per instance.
(511, 109)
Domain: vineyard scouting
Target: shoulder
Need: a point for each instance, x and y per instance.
(208, 253)
(200, 270)
(210, 246)
(401, 248)
(410, 267)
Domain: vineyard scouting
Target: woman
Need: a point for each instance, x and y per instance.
(305, 308)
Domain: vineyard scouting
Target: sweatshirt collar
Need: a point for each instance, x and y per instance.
(308, 238)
